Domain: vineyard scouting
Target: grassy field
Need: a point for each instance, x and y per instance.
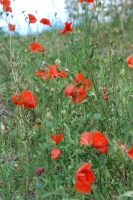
(67, 113)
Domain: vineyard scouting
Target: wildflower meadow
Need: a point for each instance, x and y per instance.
(66, 104)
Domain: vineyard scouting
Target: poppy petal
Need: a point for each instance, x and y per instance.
(85, 138)
(130, 153)
(32, 18)
(57, 138)
(69, 91)
(99, 141)
(55, 153)
(45, 21)
(79, 95)
(83, 188)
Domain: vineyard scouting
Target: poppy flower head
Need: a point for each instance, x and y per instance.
(53, 71)
(25, 98)
(100, 141)
(80, 94)
(57, 138)
(55, 153)
(63, 74)
(32, 18)
(85, 138)
(17, 99)
(95, 139)
(88, 83)
(67, 28)
(130, 153)
(69, 90)
(89, 1)
(79, 78)
(43, 74)
(11, 27)
(45, 21)
(105, 90)
(7, 8)
(129, 60)
(105, 97)
(84, 178)
(39, 171)
(5, 2)
(36, 47)
(29, 99)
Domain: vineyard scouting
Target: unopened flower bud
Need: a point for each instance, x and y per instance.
(63, 112)
(48, 115)
(57, 62)
(122, 72)
(105, 89)
(2, 127)
(105, 97)
(52, 90)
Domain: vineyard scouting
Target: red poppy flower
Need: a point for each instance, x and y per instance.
(63, 74)
(45, 21)
(79, 78)
(57, 138)
(130, 152)
(35, 47)
(89, 1)
(25, 98)
(105, 97)
(29, 99)
(17, 99)
(39, 171)
(55, 153)
(67, 28)
(129, 60)
(11, 27)
(70, 90)
(95, 139)
(43, 74)
(32, 18)
(7, 8)
(78, 93)
(84, 177)
(5, 2)
(53, 71)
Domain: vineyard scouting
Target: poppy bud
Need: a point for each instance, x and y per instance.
(118, 89)
(63, 112)
(120, 59)
(40, 170)
(38, 121)
(105, 89)
(57, 62)
(52, 90)
(70, 78)
(110, 91)
(105, 97)
(48, 115)
(97, 116)
(2, 127)
(49, 124)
